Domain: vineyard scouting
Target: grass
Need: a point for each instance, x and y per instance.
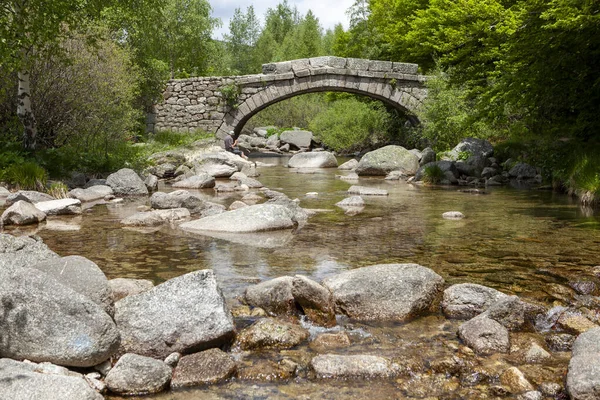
(26, 176)
(433, 174)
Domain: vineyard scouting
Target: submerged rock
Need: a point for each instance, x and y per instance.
(19, 381)
(268, 333)
(22, 213)
(367, 191)
(204, 368)
(48, 321)
(352, 201)
(320, 159)
(328, 341)
(386, 292)
(453, 215)
(183, 314)
(583, 377)
(467, 300)
(126, 182)
(387, 159)
(514, 380)
(352, 366)
(156, 217)
(138, 375)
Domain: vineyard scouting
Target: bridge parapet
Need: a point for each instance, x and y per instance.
(355, 65)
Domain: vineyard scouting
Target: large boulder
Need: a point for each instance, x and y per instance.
(274, 296)
(4, 192)
(30, 196)
(23, 251)
(184, 314)
(255, 218)
(386, 292)
(268, 333)
(203, 181)
(60, 207)
(427, 156)
(297, 138)
(205, 160)
(467, 300)
(22, 213)
(177, 199)
(92, 193)
(522, 171)
(214, 170)
(138, 375)
(387, 159)
(320, 159)
(203, 368)
(126, 182)
(472, 147)
(20, 381)
(168, 157)
(583, 377)
(81, 275)
(484, 335)
(45, 320)
(352, 366)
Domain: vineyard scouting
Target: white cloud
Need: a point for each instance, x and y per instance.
(329, 13)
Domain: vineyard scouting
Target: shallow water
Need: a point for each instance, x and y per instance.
(525, 242)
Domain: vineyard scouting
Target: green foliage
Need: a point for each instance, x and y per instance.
(170, 139)
(296, 111)
(241, 42)
(27, 176)
(433, 174)
(447, 114)
(463, 155)
(58, 190)
(349, 125)
(231, 94)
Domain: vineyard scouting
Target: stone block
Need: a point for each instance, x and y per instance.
(357, 64)
(380, 66)
(299, 65)
(405, 68)
(302, 73)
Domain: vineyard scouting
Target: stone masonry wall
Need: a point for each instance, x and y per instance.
(199, 103)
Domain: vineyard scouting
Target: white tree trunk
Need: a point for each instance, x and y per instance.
(25, 112)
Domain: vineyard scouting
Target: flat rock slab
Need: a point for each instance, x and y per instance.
(81, 275)
(467, 300)
(18, 381)
(47, 321)
(204, 368)
(138, 375)
(156, 217)
(270, 333)
(92, 193)
(60, 207)
(23, 251)
(184, 314)
(385, 292)
(30, 196)
(367, 191)
(255, 218)
(352, 201)
(352, 366)
(320, 159)
(22, 213)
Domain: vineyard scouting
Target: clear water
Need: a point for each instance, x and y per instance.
(523, 242)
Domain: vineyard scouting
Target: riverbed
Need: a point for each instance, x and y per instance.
(531, 243)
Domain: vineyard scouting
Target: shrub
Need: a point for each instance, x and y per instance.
(433, 174)
(231, 93)
(27, 176)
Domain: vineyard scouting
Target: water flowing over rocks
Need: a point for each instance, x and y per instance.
(255, 218)
(352, 366)
(387, 159)
(123, 287)
(184, 314)
(22, 213)
(126, 182)
(60, 207)
(92, 193)
(583, 378)
(385, 292)
(30, 196)
(201, 181)
(467, 300)
(81, 275)
(19, 381)
(484, 335)
(205, 368)
(156, 217)
(367, 191)
(138, 375)
(48, 321)
(320, 159)
(316, 301)
(268, 333)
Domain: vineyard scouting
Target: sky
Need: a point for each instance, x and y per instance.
(329, 13)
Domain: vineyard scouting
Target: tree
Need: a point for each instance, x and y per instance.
(304, 40)
(244, 30)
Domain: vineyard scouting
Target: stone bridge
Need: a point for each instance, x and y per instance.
(222, 104)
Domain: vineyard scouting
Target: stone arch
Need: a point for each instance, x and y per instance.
(381, 89)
